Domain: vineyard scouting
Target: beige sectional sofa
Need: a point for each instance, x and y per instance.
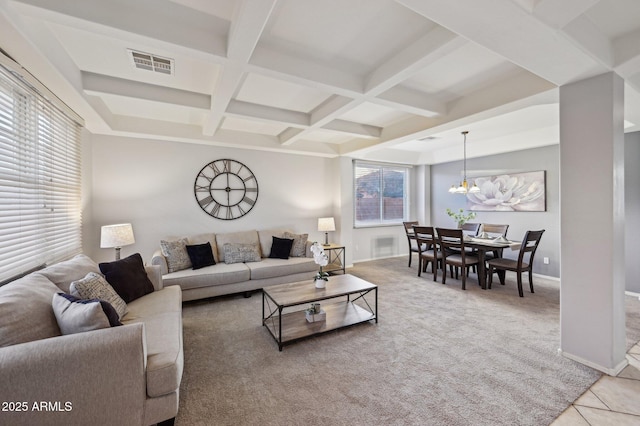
(228, 278)
(124, 375)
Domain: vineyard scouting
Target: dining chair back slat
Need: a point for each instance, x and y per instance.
(428, 249)
(453, 252)
(411, 239)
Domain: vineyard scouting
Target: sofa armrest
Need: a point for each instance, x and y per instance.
(76, 379)
(155, 276)
(159, 260)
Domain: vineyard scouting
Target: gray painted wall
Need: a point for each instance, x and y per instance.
(632, 210)
(545, 158)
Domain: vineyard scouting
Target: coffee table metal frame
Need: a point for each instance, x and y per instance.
(343, 311)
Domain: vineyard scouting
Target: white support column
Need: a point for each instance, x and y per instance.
(592, 278)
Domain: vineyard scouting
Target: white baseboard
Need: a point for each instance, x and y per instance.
(610, 371)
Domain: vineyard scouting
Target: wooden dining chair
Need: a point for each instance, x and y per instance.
(493, 231)
(428, 250)
(529, 246)
(454, 254)
(470, 229)
(411, 238)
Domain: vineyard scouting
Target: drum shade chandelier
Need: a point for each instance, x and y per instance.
(464, 186)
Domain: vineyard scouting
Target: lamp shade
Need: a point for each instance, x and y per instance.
(326, 224)
(119, 235)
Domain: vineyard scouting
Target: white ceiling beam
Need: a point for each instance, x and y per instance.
(274, 63)
(266, 113)
(98, 83)
(627, 53)
(558, 14)
(505, 28)
(588, 37)
(249, 20)
(404, 64)
(411, 101)
(196, 30)
(354, 129)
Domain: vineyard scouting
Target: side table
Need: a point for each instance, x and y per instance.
(337, 261)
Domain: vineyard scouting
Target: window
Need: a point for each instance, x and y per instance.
(40, 212)
(380, 194)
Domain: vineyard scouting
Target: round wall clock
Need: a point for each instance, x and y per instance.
(226, 189)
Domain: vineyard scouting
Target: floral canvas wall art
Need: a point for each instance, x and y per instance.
(524, 192)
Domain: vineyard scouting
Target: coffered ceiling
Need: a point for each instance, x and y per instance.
(393, 80)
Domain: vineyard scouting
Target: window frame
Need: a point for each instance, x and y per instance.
(381, 222)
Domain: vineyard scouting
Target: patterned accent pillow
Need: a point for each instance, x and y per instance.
(78, 315)
(299, 248)
(176, 254)
(237, 253)
(94, 286)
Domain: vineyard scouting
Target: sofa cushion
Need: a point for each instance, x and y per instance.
(270, 268)
(245, 237)
(76, 315)
(64, 273)
(299, 247)
(266, 239)
(161, 313)
(176, 254)
(201, 255)
(206, 238)
(127, 277)
(219, 274)
(25, 310)
(94, 286)
(281, 248)
(236, 253)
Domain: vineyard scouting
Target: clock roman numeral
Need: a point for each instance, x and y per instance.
(227, 166)
(200, 188)
(248, 201)
(216, 170)
(215, 209)
(229, 213)
(206, 201)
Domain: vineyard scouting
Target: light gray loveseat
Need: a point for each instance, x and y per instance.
(125, 375)
(223, 278)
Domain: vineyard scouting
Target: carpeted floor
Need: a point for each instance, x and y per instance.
(438, 356)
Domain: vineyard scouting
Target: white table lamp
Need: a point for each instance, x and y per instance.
(116, 236)
(326, 225)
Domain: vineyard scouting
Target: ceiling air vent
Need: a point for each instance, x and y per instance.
(149, 62)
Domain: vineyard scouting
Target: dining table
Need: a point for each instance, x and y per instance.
(488, 244)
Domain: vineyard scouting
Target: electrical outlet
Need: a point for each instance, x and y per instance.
(546, 260)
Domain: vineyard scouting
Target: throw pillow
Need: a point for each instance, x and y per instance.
(237, 253)
(280, 248)
(299, 247)
(128, 277)
(201, 255)
(176, 254)
(94, 286)
(79, 315)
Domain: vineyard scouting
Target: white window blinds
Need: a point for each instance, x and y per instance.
(40, 182)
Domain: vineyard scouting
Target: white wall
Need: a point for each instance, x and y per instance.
(632, 210)
(546, 158)
(150, 184)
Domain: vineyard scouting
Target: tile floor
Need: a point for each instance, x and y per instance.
(611, 401)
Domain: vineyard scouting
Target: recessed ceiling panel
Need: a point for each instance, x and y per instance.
(350, 35)
(374, 115)
(327, 136)
(268, 91)
(615, 17)
(220, 8)
(252, 126)
(99, 54)
(134, 107)
(462, 71)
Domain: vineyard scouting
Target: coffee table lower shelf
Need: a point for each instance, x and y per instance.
(294, 325)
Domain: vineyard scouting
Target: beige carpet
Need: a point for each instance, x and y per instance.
(438, 356)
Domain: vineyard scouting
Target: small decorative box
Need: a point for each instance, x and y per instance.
(316, 317)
